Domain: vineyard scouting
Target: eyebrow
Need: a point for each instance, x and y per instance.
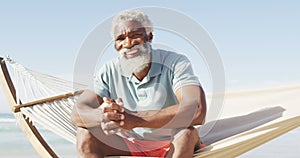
(137, 31)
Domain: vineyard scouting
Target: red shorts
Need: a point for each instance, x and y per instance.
(148, 148)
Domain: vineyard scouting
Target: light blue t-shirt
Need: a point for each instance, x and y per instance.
(169, 71)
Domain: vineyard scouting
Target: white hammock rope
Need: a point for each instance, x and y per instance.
(33, 85)
(54, 116)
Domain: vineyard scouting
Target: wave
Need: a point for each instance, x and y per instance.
(7, 120)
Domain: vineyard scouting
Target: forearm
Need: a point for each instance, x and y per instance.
(86, 112)
(171, 117)
(190, 111)
(86, 117)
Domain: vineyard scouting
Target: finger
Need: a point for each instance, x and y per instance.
(108, 100)
(111, 125)
(110, 132)
(105, 99)
(103, 106)
(113, 107)
(121, 130)
(112, 116)
(113, 131)
(119, 101)
(118, 130)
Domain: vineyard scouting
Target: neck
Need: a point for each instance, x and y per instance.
(142, 74)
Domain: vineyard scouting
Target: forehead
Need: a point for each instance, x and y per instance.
(128, 26)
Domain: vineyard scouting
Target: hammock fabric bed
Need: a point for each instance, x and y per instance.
(247, 118)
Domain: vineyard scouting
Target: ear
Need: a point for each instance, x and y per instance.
(150, 37)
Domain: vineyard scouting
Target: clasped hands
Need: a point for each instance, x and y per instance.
(115, 117)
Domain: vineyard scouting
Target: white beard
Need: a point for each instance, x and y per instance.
(138, 63)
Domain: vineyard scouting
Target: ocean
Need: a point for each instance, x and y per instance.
(14, 143)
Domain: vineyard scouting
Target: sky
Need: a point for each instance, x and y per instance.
(257, 41)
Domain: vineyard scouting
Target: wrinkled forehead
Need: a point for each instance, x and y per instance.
(126, 27)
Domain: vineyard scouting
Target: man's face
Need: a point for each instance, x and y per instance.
(129, 34)
(133, 46)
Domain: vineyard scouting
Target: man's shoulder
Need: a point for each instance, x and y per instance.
(167, 53)
(167, 57)
(110, 66)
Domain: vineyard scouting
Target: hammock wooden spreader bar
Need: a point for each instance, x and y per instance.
(50, 99)
(33, 135)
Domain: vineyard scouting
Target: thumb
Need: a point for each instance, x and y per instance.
(119, 101)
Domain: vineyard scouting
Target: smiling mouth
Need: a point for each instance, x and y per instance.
(132, 53)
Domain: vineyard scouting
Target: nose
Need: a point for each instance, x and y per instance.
(127, 43)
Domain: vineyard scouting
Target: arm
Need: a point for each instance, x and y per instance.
(90, 111)
(86, 112)
(190, 111)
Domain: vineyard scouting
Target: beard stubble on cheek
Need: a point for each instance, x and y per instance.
(138, 63)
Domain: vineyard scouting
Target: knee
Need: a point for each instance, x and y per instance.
(85, 141)
(189, 133)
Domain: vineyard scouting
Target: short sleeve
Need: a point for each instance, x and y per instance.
(101, 81)
(183, 74)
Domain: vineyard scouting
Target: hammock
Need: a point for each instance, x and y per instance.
(248, 118)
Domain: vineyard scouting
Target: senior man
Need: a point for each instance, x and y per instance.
(144, 103)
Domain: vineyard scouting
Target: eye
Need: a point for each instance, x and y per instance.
(120, 38)
(136, 35)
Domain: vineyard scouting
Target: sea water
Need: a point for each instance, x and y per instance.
(14, 144)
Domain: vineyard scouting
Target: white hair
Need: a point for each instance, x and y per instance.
(132, 15)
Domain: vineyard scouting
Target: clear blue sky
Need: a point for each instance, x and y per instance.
(258, 41)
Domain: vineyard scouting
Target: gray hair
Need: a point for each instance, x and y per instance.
(132, 15)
